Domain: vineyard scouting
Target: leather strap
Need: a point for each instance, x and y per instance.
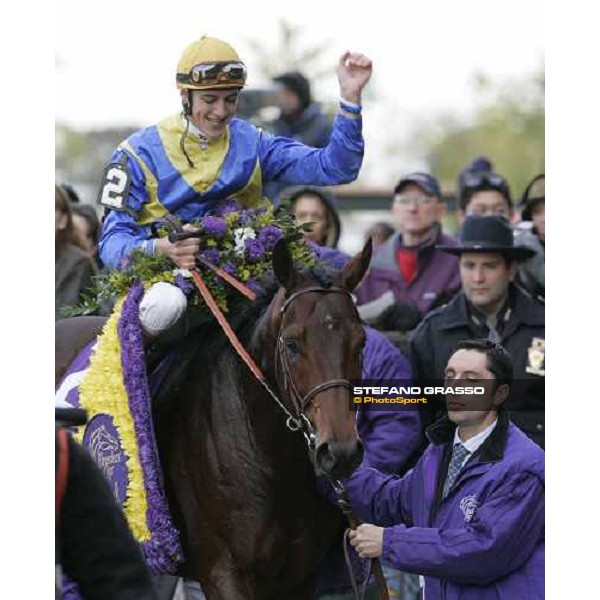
(231, 336)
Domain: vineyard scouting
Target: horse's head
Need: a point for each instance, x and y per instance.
(319, 344)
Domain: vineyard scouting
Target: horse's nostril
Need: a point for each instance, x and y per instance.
(325, 458)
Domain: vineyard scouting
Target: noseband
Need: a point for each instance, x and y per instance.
(301, 403)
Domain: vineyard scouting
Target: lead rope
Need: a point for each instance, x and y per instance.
(374, 564)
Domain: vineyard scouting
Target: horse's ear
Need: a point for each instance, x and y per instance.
(355, 270)
(283, 266)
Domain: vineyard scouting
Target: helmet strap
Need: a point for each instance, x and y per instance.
(187, 112)
(187, 106)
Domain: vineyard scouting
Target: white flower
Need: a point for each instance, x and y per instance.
(240, 236)
(182, 272)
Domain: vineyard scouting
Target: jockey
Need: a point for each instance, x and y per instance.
(185, 164)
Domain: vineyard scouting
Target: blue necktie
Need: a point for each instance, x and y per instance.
(459, 453)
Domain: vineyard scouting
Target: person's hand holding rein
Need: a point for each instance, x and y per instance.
(367, 540)
(354, 71)
(182, 253)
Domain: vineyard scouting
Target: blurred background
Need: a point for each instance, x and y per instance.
(452, 80)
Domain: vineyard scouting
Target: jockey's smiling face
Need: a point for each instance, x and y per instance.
(213, 109)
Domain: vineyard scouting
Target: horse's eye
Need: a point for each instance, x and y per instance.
(292, 345)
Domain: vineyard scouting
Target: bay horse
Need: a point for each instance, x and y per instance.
(241, 484)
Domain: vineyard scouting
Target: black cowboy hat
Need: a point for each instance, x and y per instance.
(488, 233)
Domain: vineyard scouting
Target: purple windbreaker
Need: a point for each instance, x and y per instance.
(390, 438)
(485, 540)
(437, 273)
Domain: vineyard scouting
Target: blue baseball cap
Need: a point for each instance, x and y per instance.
(428, 183)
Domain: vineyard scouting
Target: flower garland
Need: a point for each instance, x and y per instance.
(102, 391)
(115, 384)
(162, 550)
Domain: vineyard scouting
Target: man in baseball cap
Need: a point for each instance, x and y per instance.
(408, 263)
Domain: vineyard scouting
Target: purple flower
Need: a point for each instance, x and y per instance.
(162, 551)
(254, 285)
(269, 236)
(255, 251)
(214, 226)
(229, 268)
(245, 216)
(184, 284)
(226, 206)
(211, 255)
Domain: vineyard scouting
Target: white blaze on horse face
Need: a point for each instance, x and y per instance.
(332, 322)
(329, 322)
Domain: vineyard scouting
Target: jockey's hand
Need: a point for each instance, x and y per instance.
(354, 71)
(367, 540)
(182, 253)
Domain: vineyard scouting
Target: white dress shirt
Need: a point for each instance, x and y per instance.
(472, 444)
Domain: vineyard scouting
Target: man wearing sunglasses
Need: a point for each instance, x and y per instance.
(408, 264)
(187, 163)
(483, 192)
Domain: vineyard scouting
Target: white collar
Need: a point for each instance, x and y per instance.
(472, 444)
(194, 130)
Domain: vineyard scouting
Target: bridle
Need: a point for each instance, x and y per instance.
(294, 422)
(282, 363)
(301, 404)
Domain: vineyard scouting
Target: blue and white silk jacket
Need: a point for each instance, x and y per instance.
(235, 165)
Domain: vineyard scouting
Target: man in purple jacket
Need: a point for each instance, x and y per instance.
(470, 516)
(409, 264)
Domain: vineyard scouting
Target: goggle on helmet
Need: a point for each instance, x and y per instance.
(210, 63)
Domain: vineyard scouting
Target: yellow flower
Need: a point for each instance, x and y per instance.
(102, 391)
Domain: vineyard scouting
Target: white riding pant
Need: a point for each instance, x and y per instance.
(161, 307)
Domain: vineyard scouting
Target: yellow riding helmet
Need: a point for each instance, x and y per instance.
(210, 63)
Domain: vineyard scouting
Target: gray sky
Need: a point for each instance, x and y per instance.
(116, 60)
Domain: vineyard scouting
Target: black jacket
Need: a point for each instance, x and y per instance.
(522, 333)
(73, 271)
(311, 127)
(94, 546)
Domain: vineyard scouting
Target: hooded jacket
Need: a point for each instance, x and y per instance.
(334, 226)
(311, 127)
(532, 271)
